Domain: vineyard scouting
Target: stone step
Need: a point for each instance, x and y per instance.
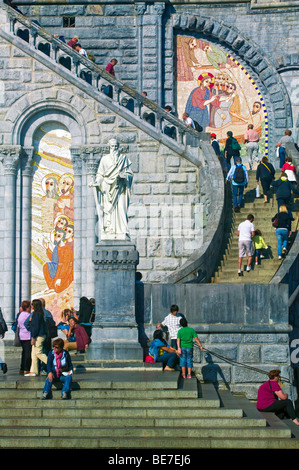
(148, 432)
(115, 422)
(145, 443)
(119, 409)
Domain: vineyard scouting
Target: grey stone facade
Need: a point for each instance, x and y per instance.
(171, 178)
(141, 36)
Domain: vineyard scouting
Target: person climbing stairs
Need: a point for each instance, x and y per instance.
(227, 268)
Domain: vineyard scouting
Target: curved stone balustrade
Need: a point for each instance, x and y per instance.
(119, 92)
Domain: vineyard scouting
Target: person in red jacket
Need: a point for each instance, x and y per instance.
(110, 67)
(290, 170)
(72, 42)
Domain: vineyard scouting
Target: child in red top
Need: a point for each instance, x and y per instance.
(289, 169)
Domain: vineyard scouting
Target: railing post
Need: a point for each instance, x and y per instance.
(33, 36)
(55, 50)
(158, 121)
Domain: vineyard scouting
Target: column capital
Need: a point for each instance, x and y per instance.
(140, 8)
(27, 160)
(76, 157)
(10, 157)
(158, 8)
(92, 155)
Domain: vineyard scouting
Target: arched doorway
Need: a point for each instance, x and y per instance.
(52, 217)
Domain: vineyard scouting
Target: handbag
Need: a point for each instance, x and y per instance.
(17, 342)
(257, 191)
(275, 222)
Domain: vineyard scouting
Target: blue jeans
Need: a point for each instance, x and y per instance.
(238, 191)
(282, 156)
(65, 379)
(186, 358)
(168, 359)
(282, 235)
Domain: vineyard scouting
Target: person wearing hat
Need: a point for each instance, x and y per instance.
(215, 144)
(239, 177)
(72, 42)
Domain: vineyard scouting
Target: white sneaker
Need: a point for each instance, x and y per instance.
(279, 257)
(248, 268)
(30, 374)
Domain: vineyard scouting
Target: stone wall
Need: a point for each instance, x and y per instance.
(171, 202)
(245, 324)
(142, 37)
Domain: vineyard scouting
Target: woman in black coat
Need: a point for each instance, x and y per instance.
(86, 314)
(284, 189)
(266, 173)
(38, 331)
(230, 149)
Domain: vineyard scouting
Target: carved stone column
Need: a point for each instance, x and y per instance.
(140, 9)
(90, 218)
(158, 8)
(26, 190)
(10, 157)
(77, 168)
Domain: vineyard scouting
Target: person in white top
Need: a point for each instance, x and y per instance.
(80, 49)
(245, 234)
(187, 120)
(83, 71)
(172, 321)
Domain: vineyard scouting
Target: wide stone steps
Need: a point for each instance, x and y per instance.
(133, 409)
(226, 271)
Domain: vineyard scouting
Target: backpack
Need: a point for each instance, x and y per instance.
(239, 176)
(197, 127)
(51, 328)
(235, 144)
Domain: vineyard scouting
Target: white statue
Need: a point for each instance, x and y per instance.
(112, 193)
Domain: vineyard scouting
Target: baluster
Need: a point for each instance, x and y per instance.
(76, 66)
(33, 36)
(137, 108)
(55, 49)
(117, 94)
(180, 136)
(158, 122)
(12, 25)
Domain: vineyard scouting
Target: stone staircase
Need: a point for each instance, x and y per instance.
(123, 100)
(227, 269)
(144, 409)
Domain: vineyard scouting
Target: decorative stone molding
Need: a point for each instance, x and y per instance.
(140, 8)
(287, 62)
(27, 160)
(10, 156)
(114, 255)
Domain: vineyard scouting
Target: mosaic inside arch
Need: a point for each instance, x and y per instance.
(52, 226)
(217, 92)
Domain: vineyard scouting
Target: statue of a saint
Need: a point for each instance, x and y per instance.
(113, 186)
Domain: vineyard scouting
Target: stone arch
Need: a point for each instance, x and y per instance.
(261, 68)
(30, 111)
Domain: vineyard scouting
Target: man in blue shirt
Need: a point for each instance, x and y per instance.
(239, 177)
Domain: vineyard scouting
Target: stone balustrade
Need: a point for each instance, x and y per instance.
(164, 123)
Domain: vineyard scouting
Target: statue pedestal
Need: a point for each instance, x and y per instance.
(115, 333)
